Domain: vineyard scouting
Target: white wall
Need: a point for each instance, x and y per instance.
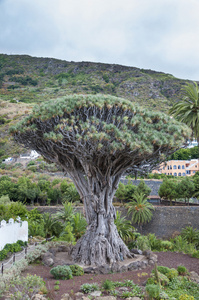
(12, 231)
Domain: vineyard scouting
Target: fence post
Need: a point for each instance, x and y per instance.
(13, 258)
(2, 268)
(25, 252)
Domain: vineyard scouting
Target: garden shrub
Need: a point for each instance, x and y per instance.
(89, 287)
(25, 287)
(186, 297)
(76, 270)
(182, 270)
(162, 269)
(143, 243)
(172, 273)
(61, 272)
(15, 247)
(153, 291)
(108, 285)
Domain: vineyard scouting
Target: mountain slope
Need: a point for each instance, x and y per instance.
(25, 80)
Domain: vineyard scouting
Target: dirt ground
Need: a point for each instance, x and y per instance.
(168, 259)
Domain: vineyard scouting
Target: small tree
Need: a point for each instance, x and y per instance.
(140, 209)
(186, 188)
(168, 190)
(96, 140)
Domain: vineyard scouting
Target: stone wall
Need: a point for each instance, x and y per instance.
(166, 220)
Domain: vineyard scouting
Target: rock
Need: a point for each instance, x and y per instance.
(136, 251)
(48, 259)
(106, 298)
(194, 276)
(89, 270)
(95, 294)
(123, 289)
(151, 262)
(63, 248)
(53, 250)
(115, 267)
(133, 266)
(66, 296)
(123, 269)
(79, 295)
(154, 257)
(105, 269)
(147, 253)
(39, 297)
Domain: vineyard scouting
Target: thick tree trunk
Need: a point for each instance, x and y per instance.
(101, 244)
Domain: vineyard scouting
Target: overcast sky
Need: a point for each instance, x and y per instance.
(162, 35)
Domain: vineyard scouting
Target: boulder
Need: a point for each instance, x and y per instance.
(105, 269)
(194, 277)
(48, 259)
(133, 266)
(66, 296)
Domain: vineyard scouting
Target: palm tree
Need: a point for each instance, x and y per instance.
(140, 209)
(66, 214)
(51, 226)
(187, 110)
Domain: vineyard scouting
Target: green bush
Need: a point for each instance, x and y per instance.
(182, 270)
(172, 273)
(76, 270)
(108, 285)
(15, 247)
(89, 287)
(153, 291)
(162, 269)
(61, 272)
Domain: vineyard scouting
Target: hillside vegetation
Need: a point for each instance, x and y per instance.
(25, 80)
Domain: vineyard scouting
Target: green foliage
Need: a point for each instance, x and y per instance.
(140, 209)
(186, 188)
(125, 192)
(108, 285)
(153, 291)
(142, 243)
(124, 227)
(79, 225)
(4, 199)
(22, 288)
(87, 288)
(182, 270)
(13, 210)
(76, 270)
(191, 235)
(186, 110)
(15, 247)
(66, 213)
(61, 272)
(51, 226)
(168, 190)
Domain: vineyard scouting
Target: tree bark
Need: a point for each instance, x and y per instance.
(101, 244)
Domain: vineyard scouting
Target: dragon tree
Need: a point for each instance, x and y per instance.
(96, 139)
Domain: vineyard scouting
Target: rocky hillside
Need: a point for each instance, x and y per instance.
(25, 80)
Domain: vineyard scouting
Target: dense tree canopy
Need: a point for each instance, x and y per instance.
(96, 139)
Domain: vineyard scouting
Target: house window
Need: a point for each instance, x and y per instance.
(179, 174)
(175, 167)
(195, 166)
(188, 172)
(194, 172)
(170, 167)
(179, 167)
(183, 174)
(167, 167)
(182, 167)
(175, 174)
(170, 173)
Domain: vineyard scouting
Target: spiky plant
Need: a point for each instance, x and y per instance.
(140, 209)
